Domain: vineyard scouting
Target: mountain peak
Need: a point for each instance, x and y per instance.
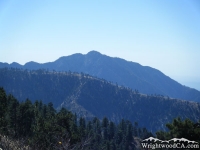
(15, 64)
(145, 79)
(94, 53)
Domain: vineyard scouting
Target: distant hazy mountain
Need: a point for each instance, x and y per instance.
(89, 96)
(145, 79)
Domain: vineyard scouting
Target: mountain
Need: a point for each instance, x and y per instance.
(130, 74)
(89, 96)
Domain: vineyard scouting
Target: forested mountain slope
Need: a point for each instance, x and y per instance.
(130, 74)
(37, 126)
(88, 96)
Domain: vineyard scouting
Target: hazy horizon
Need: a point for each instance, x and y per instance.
(161, 34)
(183, 81)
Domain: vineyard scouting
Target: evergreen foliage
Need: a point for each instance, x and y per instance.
(181, 129)
(146, 79)
(39, 126)
(90, 97)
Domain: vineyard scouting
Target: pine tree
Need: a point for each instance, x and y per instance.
(104, 125)
(82, 127)
(111, 130)
(3, 110)
(178, 128)
(25, 115)
(13, 105)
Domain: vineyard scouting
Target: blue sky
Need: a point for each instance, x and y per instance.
(162, 34)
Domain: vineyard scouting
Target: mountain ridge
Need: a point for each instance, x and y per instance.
(90, 96)
(127, 73)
